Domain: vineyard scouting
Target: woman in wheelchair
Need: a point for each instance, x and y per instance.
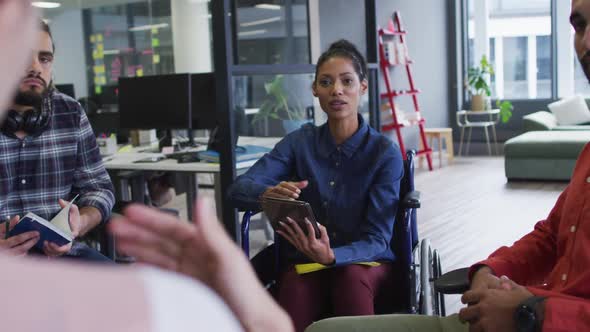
(350, 175)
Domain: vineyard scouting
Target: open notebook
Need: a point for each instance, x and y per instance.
(57, 230)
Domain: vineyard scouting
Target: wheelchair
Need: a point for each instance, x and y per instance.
(416, 268)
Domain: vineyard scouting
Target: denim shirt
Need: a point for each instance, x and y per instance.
(353, 187)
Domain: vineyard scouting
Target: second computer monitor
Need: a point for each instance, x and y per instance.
(160, 102)
(176, 101)
(203, 101)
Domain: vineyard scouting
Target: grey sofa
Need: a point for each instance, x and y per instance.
(546, 151)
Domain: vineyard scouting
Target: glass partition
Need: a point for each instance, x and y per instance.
(272, 105)
(272, 32)
(98, 42)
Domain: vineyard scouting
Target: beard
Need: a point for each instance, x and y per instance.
(585, 64)
(30, 97)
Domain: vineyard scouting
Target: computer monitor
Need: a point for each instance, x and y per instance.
(67, 89)
(204, 112)
(160, 102)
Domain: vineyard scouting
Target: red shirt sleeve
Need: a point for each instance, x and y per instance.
(566, 314)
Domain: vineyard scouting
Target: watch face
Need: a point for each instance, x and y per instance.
(525, 319)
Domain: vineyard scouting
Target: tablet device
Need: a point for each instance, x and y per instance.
(278, 209)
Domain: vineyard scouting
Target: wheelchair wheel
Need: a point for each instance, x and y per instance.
(439, 298)
(426, 290)
(437, 267)
(430, 299)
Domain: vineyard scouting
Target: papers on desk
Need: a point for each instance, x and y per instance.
(244, 153)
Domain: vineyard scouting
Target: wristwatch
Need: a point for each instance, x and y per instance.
(526, 317)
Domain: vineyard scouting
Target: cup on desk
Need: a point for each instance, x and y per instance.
(107, 145)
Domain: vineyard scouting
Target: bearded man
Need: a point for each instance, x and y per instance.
(48, 154)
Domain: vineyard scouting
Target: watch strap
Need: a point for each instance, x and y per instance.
(529, 305)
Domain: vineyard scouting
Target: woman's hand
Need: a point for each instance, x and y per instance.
(285, 189)
(318, 250)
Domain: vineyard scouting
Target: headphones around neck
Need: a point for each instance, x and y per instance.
(31, 121)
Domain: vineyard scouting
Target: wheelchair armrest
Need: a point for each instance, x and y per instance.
(411, 200)
(453, 282)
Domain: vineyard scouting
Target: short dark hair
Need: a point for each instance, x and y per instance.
(45, 27)
(344, 48)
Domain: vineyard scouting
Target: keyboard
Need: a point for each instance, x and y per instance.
(184, 156)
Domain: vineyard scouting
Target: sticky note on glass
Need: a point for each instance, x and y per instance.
(156, 58)
(100, 47)
(96, 55)
(98, 89)
(99, 38)
(155, 42)
(93, 39)
(100, 80)
(154, 31)
(139, 72)
(99, 69)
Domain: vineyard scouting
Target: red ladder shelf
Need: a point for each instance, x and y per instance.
(394, 30)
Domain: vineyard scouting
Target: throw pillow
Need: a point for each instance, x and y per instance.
(570, 111)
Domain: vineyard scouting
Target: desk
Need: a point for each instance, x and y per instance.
(125, 161)
(478, 119)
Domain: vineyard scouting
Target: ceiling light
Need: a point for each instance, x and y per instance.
(258, 22)
(149, 27)
(268, 6)
(46, 4)
(251, 33)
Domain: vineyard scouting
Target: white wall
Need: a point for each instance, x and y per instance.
(191, 36)
(426, 23)
(70, 59)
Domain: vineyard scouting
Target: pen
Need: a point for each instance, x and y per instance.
(7, 228)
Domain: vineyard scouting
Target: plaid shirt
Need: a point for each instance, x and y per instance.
(63, 161)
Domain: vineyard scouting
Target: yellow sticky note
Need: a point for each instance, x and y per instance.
(100, 80)
(94, 55)
(309, 267)
(313, 267)
(156, 58)
(100, 47)
(154, 31)
(155, 42)
(139, 72)
(98, 89)
(99, 38)
(99, 69)
(93, 39)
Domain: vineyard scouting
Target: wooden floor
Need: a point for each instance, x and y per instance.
(468, 210)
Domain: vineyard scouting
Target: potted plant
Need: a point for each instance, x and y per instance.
(278, 105)
(477, 81)
(505, 108)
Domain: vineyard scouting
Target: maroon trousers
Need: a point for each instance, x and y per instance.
(341, 291)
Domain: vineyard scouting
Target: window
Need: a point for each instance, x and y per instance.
(519, 37)
(515, 67)
(99, 43)
(272, 32)
(261, 113)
